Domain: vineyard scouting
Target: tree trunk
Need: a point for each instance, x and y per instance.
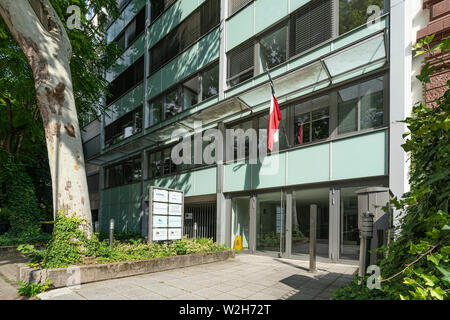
(40, 33)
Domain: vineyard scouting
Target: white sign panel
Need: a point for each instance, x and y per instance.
(175, 197)
(175, 209)
(174, 234)
(160, 234)
(159, 208)
(174, 222)
(160, 222)
(160, 195)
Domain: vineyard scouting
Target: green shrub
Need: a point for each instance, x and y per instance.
(70, 246)
(5, 213)
(416, 265)
(31, 289)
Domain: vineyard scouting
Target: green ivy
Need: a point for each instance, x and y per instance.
(416, 265)
(18, 196)
(31, 289)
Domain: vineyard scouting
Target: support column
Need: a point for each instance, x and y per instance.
(288, 223)
(223, 49)
(401, 39)
(334, 227)
(312, 237)
(221, 210)
(252, 227)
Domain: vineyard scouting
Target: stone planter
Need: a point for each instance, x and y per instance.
(62, 277)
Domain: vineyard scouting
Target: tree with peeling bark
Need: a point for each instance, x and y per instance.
(37, 28)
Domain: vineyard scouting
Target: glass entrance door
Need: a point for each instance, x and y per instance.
(270, 222)
(240, 220)
(301, 205)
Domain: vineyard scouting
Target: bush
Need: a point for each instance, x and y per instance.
(70, 246)
(416, 265)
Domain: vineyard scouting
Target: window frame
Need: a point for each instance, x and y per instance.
(385, 91)
(332, 114)
(110, 141)
(174, 31)
(256, 42)
(124, 31)
(134, 159)
(179, 87)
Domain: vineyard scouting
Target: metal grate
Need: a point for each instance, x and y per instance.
(236, 5)
(310, 26)
(205, 217)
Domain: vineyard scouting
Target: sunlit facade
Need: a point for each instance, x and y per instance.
(342, 79)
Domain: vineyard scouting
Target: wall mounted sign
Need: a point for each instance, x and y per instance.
(166, 218)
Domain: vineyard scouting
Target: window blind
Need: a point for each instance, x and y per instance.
(310, 26)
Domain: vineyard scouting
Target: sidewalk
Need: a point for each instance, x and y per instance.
(249, 277)
(8, 283)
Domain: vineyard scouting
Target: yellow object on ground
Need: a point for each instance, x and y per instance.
(238, 243)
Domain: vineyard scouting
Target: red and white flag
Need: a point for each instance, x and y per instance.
(274, 119)
(300, 134)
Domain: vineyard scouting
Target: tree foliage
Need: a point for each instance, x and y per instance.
(22, 138)
(416, 265)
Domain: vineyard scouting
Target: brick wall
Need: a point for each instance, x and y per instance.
(439, 25)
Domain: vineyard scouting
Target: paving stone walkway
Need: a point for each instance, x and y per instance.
(8, 283)
(248, 277)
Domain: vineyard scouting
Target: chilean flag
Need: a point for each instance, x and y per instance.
(274, 119)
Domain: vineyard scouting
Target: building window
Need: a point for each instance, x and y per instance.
(91, 147)
(199, 23)
(306, 28)
(190, 90)
(156, 107)
(126, 172)
(353, 13)
(158, 7)
(310, 26)
(236, 5)
(185, 95)
(361, 106)
(273, 48)
(210, 82)
(172, 104)
(124, 127)
(311, 120)
(134, 29)
(241, 64)
(93, 183)
(283, 138)
(154, 165)
(126, 80)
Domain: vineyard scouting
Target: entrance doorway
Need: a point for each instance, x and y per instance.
(270, 222)
(240, 220)
(301, 206)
